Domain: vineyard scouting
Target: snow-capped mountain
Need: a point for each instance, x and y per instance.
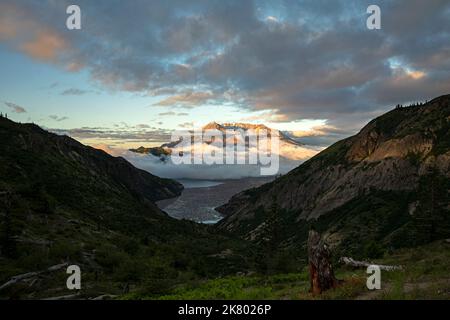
(288, 147)
(290, 153)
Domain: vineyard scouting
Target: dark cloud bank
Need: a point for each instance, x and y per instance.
(302, 59)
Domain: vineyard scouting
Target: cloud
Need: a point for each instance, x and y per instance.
(21, 30)
(45, 45)
(266, 116)
(302, 59)
(217, 172)
(143, 126)
(171, 113)
(186, 99)
(15, 107)
(74, 92)
(186, 125)
(317, 131)
(56, 118)
(322, 135)
(114, 151)
(271, 19)
(290, 156)
(136, 136)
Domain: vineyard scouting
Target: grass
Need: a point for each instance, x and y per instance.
(293, 286)
(424, 276)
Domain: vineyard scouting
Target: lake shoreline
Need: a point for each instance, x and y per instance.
(200, 198)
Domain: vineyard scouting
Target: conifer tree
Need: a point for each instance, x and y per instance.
(432, 217)
(7, 242)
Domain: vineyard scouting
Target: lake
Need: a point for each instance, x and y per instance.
(200, 198)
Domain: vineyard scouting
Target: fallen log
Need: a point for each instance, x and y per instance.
(364, 264)
(25, 276)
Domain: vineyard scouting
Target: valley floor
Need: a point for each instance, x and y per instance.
(425, 275)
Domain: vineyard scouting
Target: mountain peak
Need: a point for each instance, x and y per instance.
(249, 126)
(212, 125)
(245, 126)
(235, 125)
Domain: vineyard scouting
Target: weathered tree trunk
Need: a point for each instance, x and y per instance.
(320, 268)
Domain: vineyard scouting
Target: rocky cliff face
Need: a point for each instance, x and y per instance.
(391, 154)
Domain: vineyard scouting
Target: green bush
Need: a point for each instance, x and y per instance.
(65, 251)
(373, 250)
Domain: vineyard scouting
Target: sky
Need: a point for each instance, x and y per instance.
(139, 69)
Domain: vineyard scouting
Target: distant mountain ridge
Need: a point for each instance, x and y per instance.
(166, 149)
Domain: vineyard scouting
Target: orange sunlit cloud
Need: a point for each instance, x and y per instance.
(416, 74)
(45, 46)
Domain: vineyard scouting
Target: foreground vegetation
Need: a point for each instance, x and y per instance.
(425, 275)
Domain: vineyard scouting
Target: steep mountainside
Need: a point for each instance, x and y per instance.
(56, 172)
(61, 201)
(388, 184)
(30, 140)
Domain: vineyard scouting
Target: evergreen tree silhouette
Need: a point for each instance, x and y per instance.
(432, 217)
(7, 242)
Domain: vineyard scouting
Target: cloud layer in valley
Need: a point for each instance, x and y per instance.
(285, 156)
(291, 159)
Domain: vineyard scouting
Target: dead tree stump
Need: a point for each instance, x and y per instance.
(320, 268)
